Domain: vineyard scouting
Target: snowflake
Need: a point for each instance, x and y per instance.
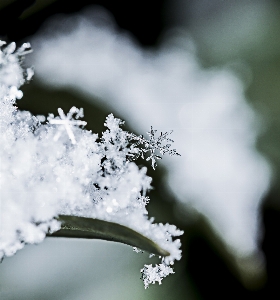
(67, 122)
(152, 145)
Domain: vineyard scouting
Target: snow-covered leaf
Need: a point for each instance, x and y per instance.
(56, 168)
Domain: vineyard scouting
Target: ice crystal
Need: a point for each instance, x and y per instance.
(67, 122)
(45, 172)
(154, 144)
(152, 274)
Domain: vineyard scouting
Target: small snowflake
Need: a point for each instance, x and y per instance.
(67, 122)
(152, 145)
(152, 274)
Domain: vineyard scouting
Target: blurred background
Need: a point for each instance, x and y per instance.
(209, 70)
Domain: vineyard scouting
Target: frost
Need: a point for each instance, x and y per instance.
(135, 249)
(56, 167)
(152, 274)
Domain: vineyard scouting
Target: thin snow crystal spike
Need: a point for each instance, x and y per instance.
(67, 122)
(73, 110)
(10, 48)
(29, 73)
(24, 49)
(80, 113)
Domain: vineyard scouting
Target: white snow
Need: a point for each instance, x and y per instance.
(55, 167)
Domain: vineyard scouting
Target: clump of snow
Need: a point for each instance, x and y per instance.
(152, 274)
(220, 173)
(51, 167)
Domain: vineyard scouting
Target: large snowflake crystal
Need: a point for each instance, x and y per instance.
(45, 173)
(67, 122)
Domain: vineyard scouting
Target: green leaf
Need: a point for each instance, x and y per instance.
(87, 228)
